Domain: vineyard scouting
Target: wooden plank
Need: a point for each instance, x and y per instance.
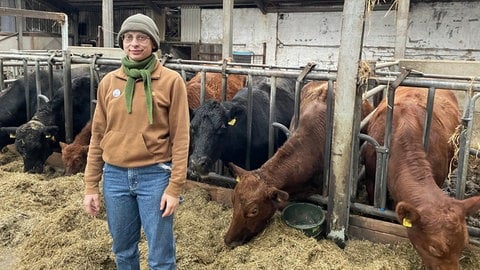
(444, 67)
(355, 232)
(376, 230)
(56, 16)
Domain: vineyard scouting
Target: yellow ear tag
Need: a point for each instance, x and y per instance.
(232, 122)
(407, 223)
(237, 179)
(12, 136)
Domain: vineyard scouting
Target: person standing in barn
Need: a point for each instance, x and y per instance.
(139, 144)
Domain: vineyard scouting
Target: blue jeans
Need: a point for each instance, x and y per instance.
(132, 200)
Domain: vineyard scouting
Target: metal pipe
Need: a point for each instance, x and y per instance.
(38, 84)
(465, 139)
(68, 100)
(272, 116)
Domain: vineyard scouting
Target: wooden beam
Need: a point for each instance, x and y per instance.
(61, 5)
(377, 231)
(27, 13)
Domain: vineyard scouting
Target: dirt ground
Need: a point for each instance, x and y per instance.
(43, 226)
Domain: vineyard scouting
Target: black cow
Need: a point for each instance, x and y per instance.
(37, 139)
(13, 105)
(219, 129)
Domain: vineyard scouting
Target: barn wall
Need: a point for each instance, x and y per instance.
(251, 29)
(440, 31)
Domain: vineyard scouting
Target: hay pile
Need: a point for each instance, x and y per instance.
(43, 226)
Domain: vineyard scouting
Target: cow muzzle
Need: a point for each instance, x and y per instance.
(200, 166)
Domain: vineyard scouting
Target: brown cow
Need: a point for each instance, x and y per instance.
(74, 155)
(213, 87)
(435, 222)
(259, 193)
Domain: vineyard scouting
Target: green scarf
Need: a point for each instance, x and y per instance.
(134, 71)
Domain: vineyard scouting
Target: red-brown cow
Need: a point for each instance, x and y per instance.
(74, 155)
(259, 193)
(213, 87)
(435, 222)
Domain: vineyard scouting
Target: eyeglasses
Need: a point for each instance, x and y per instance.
(127, 38)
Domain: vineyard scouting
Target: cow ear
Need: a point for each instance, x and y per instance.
(62, 145)
(471, 205)
(278, 197)
(50, 132)
(237, 170)
(233, 113)
(11, 131)
(407, 214)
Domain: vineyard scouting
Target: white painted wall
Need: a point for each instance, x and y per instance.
(441, 31)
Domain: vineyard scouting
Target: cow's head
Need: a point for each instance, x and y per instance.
(208, 128)
(438, 234)
(254, 203)
(35, 142)
(74, 157)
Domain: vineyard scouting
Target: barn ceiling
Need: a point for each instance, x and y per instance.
(265, 6)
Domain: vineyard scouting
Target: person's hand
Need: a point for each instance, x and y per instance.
(91, 204)
(168, 204)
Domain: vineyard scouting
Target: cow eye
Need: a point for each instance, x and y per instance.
(253, 212)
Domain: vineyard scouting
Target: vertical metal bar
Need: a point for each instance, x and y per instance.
(428, 118)
(328, 137)
(38, 83)
(68, 100)
(50, 80)
(27, 88)
(2, 82)
(348, 62)
(273, 101)
(383, 154)
(465, 139)
(65, 33)
(203, 80)
(93, 83)
(224, 79)
(296, 106)
(249, 121)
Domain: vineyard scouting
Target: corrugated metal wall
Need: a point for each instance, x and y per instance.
(190, 24)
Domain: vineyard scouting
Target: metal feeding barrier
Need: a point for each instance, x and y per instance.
(387, 76)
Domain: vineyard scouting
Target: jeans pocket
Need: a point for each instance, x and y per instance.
(167, 166)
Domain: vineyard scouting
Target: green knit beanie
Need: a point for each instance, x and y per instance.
(141, 23)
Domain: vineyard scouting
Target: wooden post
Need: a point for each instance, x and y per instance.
(402, 29)
(227, 28)
(345, 129)
(107, 23)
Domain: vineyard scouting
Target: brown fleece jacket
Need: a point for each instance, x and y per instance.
(128, 140)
